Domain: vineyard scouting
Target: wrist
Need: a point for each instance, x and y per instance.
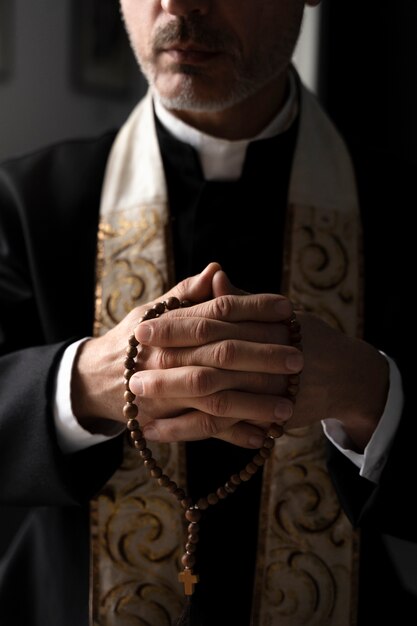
(366, 395)
(90, 387)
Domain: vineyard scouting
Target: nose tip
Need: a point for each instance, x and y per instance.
(182, 8)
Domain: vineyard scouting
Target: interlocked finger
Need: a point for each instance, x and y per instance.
(230, 354)
(197, 331)
(195, 425)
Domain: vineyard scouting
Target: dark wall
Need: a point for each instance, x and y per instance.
(368, 72)
(58, 78)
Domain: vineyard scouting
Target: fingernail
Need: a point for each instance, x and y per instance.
(136, 385)
(256, 441)
(283, 410)
(284, 308)
(151, 433)
(294, 362)
(144, 333)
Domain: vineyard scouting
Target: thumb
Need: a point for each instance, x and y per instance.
(197, 288)
(223, 287)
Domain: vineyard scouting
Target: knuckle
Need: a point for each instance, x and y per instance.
(271, 355)
(201, 331)
(219, 404)
(222, 307)
(225, 354)
(164, 359)
(208, 426)
(199, 382)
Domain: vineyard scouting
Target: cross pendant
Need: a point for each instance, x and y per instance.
(188, 579)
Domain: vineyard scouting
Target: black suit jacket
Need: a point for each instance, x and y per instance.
(46, 271)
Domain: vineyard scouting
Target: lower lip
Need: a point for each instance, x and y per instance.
(193, 57)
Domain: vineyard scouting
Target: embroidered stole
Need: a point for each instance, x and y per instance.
(307, 550)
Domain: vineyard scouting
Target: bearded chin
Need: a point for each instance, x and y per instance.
(190, 95)
(188, 98)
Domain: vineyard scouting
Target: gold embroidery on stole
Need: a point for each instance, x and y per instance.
(307, 550)
(136, 530)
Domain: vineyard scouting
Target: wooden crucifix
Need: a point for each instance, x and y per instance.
(188, 579)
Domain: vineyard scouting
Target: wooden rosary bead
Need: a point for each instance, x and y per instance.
(129, 363)
(129, 396)
(130, 411)
(131, 352)
(235, 479)
(222, 493)
(192, 539)
(133, 341)
(259, 460)
(193, 528)
(244, 475)
(192, 535)
(212, 499)
(190, 547)
(188, 560)
(193, 515)
(150, 314)
(251, 468)
(276, 431)
(159, 308)
(179, 493)
(193, 512)
(203, 504)
(172, 303)
(265, 453)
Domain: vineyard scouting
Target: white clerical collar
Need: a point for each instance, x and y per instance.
(222, 159)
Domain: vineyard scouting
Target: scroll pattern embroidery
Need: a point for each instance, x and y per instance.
(306, 571)
(136, 530)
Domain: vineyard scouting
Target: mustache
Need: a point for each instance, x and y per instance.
(192, 29)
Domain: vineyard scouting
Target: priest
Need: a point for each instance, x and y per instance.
(186, 333)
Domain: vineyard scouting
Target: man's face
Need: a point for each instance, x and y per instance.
(208, 55)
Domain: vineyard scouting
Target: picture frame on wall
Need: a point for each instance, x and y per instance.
(102, 61)
(6, 34)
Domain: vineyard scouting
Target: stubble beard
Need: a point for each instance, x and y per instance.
(192, 93)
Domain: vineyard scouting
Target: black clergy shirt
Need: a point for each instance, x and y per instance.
(239, 224)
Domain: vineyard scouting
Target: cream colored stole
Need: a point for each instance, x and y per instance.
(306, 550)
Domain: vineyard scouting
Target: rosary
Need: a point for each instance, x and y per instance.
(194, 511)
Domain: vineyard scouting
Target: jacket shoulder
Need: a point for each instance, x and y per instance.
(72, 157)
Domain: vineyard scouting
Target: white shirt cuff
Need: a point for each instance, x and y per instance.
(71, 436)
(374, 457)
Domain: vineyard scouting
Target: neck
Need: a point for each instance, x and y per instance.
(244, 120)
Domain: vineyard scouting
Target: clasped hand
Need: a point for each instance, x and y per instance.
(219, 369)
